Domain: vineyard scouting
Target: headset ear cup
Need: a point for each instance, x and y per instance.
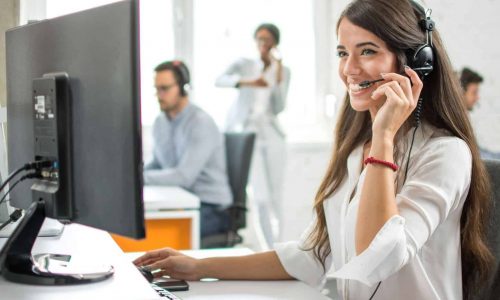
(184, 82)
(184, 89)
(423, 60)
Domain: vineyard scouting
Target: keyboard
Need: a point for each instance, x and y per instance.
(164, 293)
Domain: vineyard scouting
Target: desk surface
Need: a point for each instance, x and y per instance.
(128, 283)
(236, 289)
(168, 198)
(97, 246)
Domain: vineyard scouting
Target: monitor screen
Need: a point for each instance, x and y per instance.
(99, 51)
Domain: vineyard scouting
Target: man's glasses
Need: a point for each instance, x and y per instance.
(164, 88)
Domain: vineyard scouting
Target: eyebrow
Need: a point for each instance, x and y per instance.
(360, 45)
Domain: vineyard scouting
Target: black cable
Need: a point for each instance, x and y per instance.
(36, 174)
(10, 189)
(376, 289)
(18, 212)
(418, 112)
(29, 166)
(11, 176)
(12, 218)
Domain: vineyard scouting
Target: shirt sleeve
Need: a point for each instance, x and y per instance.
(202, 142)
(301, 264)
(436, 184)
(280, 92)
(231, 76)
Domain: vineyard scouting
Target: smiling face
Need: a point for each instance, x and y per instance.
(363, 56)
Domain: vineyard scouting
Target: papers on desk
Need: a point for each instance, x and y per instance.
(168, 198)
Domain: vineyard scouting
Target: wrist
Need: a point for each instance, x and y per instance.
(383, 138)
(245, 83)
(382, 147)
(202, 268)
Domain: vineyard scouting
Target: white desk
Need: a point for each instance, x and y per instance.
(128, 283)
(237, 289)
(169, 202)
(169, 198)
(97, 245)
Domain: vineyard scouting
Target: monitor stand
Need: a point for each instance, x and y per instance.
(19, 265)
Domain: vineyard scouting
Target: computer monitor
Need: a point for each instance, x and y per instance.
(89, 61)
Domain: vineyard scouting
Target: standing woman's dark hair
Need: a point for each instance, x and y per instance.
(396, 22)
(273, 30)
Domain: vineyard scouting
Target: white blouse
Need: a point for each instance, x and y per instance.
(416, 254)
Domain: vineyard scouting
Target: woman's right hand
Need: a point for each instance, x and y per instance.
(172, 263)
(259, 82)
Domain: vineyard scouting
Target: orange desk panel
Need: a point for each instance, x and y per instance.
(160, 233)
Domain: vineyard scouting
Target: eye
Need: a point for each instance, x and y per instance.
(368, 52)
(341, 54)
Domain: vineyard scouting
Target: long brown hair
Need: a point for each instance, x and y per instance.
(396, 23)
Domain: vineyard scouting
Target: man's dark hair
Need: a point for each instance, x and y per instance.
(273, 29)
(467, 76)
(180, 70)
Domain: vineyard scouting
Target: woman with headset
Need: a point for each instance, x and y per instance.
(262, 84)
(402, 210)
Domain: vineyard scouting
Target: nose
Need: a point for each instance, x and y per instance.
(351, 66)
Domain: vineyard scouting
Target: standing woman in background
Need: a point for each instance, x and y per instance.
(263, 87)
(402, 210)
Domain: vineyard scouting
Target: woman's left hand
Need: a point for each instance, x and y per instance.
(402, 98)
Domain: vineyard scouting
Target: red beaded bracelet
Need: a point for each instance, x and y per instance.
(373, 160)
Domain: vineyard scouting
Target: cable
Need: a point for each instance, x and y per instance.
(12, 218)
(29, 166)
(376, 289)
(36, 174)
(18, 212)
(418, 113)
(11, 176)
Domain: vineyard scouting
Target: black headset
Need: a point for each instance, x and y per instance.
(422, 60)
(183, 77)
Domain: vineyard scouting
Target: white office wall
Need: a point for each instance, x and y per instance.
(470, 32)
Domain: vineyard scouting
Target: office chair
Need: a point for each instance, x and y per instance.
(492, 288)
(239, 150)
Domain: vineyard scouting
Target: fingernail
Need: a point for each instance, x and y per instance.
(406, 67)
(383, 74)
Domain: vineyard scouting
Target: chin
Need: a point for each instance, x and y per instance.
(360, 103)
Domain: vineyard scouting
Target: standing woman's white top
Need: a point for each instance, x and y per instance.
(415, 253)
(255, 103)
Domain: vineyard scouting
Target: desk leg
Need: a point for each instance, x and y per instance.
(195, 230)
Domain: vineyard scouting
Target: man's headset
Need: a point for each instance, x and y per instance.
(183, 77)
(422, 60)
